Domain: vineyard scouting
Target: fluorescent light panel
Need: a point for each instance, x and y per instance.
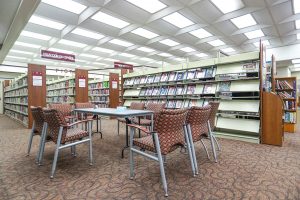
(243, 21)
(22, 52)
(46, 22)
(296, 61)
(110, 59)
(86, 33)
(150, 6)
(146, 59)
(187, 49)
(227, 6)
(121, 43)
(216, 43)
(228, 50)
(265, 42)
(72, 43)
(88, 55)
(16, 57)
(296, 5)
(35, 35)
(127, 55)
(169, 42)
(27, 45)
(201, 55)
(102, 50)
(201, 33)
(144, 33)
(165, 54)
(254, 34)
(67, 5)
(110, 20)
(178, 20)
(145, 49)
(298, 36)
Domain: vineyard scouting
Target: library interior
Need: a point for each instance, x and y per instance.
(150, 99)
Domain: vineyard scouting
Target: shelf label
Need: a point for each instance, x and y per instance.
(57, 56)
(37, 79)
(81, 81)
(119, 65)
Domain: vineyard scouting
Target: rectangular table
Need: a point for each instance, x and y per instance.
(113, 112)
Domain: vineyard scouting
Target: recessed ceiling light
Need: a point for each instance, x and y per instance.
(254, 34)
(145, 49)
(110, 20)
(187, 49)
(35, 35)
(228, 5)
(61, 50)
(150, 6)
(27, 45)
(127, 55)
(169, 42)
(86, 33)
(46, 22)
(296, 61)
(102, 50)
(88, 55)
(228, 50)
(121, 43)
(297, 23)
(72, 43)
(22, 52)
(296, 5)
(200, 33)
(297, 65)
(110, 59)
(144, 33)
(265, 42)
(97, 63)
(146, 59)
(244, 21)
(201, 55)
(178, 20)
(179, 59)
(216, 43)
(16, 57)
(67, 5)
(298, 36)
(165, 54)
(132, 63)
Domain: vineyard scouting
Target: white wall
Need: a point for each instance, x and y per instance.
(283, 72)
(1, 97)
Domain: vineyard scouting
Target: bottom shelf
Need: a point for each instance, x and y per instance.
(18, 120)
(239, 137)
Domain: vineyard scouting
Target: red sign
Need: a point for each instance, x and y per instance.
(57, 56)
(119, 65)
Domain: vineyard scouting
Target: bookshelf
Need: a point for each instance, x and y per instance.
(285, 87)
(99, 92)
(232, 80)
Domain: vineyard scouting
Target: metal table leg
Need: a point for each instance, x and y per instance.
(97, 131)
(127, 142)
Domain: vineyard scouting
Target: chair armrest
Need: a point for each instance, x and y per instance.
(78, 122)
(140, 128)
(70, 117)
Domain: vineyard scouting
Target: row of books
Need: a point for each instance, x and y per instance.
(172, 76)
(18, 92)
(99, 98)
(100, 104)
(21, 100)
(286, 95)
(290, 105)
(16, 84)
(102, 91)
(99, 85)
(285, 85)
(19, 108)
(66, 91)
(62, 85)
(61, 99)
(17, 116)
(234, 76)
(290, 117)
(179, 103)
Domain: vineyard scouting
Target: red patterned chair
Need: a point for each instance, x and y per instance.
(65, 135)
(170, 133)
(212, 119)
(66, 109)
(133, 106)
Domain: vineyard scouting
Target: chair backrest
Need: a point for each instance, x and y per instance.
(64, 108)
(84, 105)
(137, 106)
(38, 117)
(197, 118)
(55, 120)
(156, 108)
(214, 109)
(169, 126)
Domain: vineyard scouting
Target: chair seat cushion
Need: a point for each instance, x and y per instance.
(143, 122)
(145, 143)
(75, 134)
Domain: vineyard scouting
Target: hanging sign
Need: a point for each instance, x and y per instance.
(37, 79)
(119, 65)
(81, 81)
(57, 56)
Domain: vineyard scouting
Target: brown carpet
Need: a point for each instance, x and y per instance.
(244, 170)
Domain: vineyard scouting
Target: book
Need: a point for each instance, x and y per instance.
(191, 74)
(172, 76)
(149, 91)
(164, 77)
(155, 91)
(224, 86)
(186, 103)
(209, 72)
(163, 90)
(180, 90)
(150, 79)
(180, 76)
(209, 88)
(137, 81)
(205, 102)
(179, 104)
(171, 90)
(200, 73)
(143, 80)
(171, 104)
(157, 78)
(225, 95)
(190, 89)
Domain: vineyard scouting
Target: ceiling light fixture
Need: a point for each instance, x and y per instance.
(265, 42)
(243, 21)
(187, 49)
(127, 55)
(27, 45)
(150, 6)
(103, 50)
(169, 42)
(46, 22)
(298, 36)
(165, 54)
(228, 5)
(201, 33)
(88, 55)
(22, 52)
(228, 50)
(296, 6)
(254, 34)
(16, 57)
(67, 5)
(86, 33)
(144, 33)
(60, 50)
(72, 43)
(216, 43)
(296, 61)
(201, 55)
(110, 20)
(35, 35)
(121, 43)
(178, 20)
(145, 49)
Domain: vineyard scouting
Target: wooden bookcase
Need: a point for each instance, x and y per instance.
(25, 91)
(113, 90)
(286, 88)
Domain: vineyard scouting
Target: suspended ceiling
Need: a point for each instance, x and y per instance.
(275, 19)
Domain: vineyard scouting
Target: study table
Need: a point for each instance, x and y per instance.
(121, 113)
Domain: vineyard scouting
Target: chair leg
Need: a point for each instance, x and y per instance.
(212, 142)
(187, 140)
(161, 164)
(190, 137)
(90, 144)
(30, 138)
(205, 148)
(42, 148)
(118, 128)
(216, 141)
(131, 161)
(41, 144)
(56, 152)
(73, 151)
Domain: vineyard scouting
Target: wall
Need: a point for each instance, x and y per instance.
(283, 72)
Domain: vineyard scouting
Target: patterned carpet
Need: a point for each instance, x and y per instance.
(244, 170)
